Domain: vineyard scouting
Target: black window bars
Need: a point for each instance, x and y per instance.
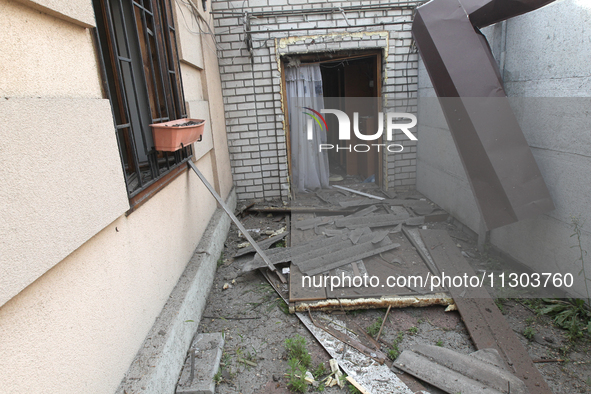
(139, 56)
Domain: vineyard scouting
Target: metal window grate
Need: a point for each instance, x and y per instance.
(137, 41)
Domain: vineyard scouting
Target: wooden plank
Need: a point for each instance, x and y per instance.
(485, 323)
(377, 355)
(357, 252)
(363, 212)
(305, 241)
(386, 221)
(311, 249)
(307, 224)
(391, 201)
(297, 292)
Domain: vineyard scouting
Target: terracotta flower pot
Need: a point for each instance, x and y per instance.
(176, 134)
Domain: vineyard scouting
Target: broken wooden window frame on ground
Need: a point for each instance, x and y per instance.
(438, 251)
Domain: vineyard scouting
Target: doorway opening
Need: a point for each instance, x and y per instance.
(351, 82)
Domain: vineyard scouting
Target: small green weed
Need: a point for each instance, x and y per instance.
(439, 343)
(573, 315)
(500, 304)
(217, 378)
(296, 376)
(319, 371)
(529, 333)
(283, 306)
(375, 327)
(279, 244)
(352, 389)
(394, 352)
(413, 330)
(296, 348)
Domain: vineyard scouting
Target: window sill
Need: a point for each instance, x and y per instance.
(138, 200)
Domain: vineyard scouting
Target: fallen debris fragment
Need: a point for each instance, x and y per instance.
(300, 210)
(265, 244)
(373, 303)
(356, 234)
(372, 221)
(347, 256)
(485, 322)
(199, 377)
(414, 238)
(358, 192)
(363, 212)
(383, 321)
(371, 376)
(338, 375)
(318, 221)
(480, 372)
(374, 354)
(247, 362)
(357, 385)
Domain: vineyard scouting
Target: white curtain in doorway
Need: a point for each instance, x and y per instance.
(309, 167)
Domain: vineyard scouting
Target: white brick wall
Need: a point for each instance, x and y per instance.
(251, 89)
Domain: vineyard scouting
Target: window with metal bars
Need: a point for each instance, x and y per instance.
(137, 41)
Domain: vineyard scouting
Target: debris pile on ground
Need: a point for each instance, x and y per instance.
(351, 337)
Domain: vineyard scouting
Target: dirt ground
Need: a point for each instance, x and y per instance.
(256, 324)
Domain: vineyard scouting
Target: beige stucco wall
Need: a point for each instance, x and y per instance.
(213, 89)
(75, 11)
(43, 56)
(80, 281)
(61, 183)
(78, 327)
(62, 180)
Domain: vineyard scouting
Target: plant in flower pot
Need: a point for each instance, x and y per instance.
(176, 134)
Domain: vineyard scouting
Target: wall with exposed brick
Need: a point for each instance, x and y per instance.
(251, 77)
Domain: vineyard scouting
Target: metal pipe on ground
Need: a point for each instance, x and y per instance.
(236, 221)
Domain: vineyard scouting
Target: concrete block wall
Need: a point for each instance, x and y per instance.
(547, 76)
(252, 88)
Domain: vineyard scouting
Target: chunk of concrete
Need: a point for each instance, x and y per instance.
(198, 373)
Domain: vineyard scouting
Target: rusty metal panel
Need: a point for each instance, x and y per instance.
(485, 323)
(502, 171)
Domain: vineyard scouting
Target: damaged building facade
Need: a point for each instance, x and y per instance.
(259, 40)
(109, 248)
(97, 228)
